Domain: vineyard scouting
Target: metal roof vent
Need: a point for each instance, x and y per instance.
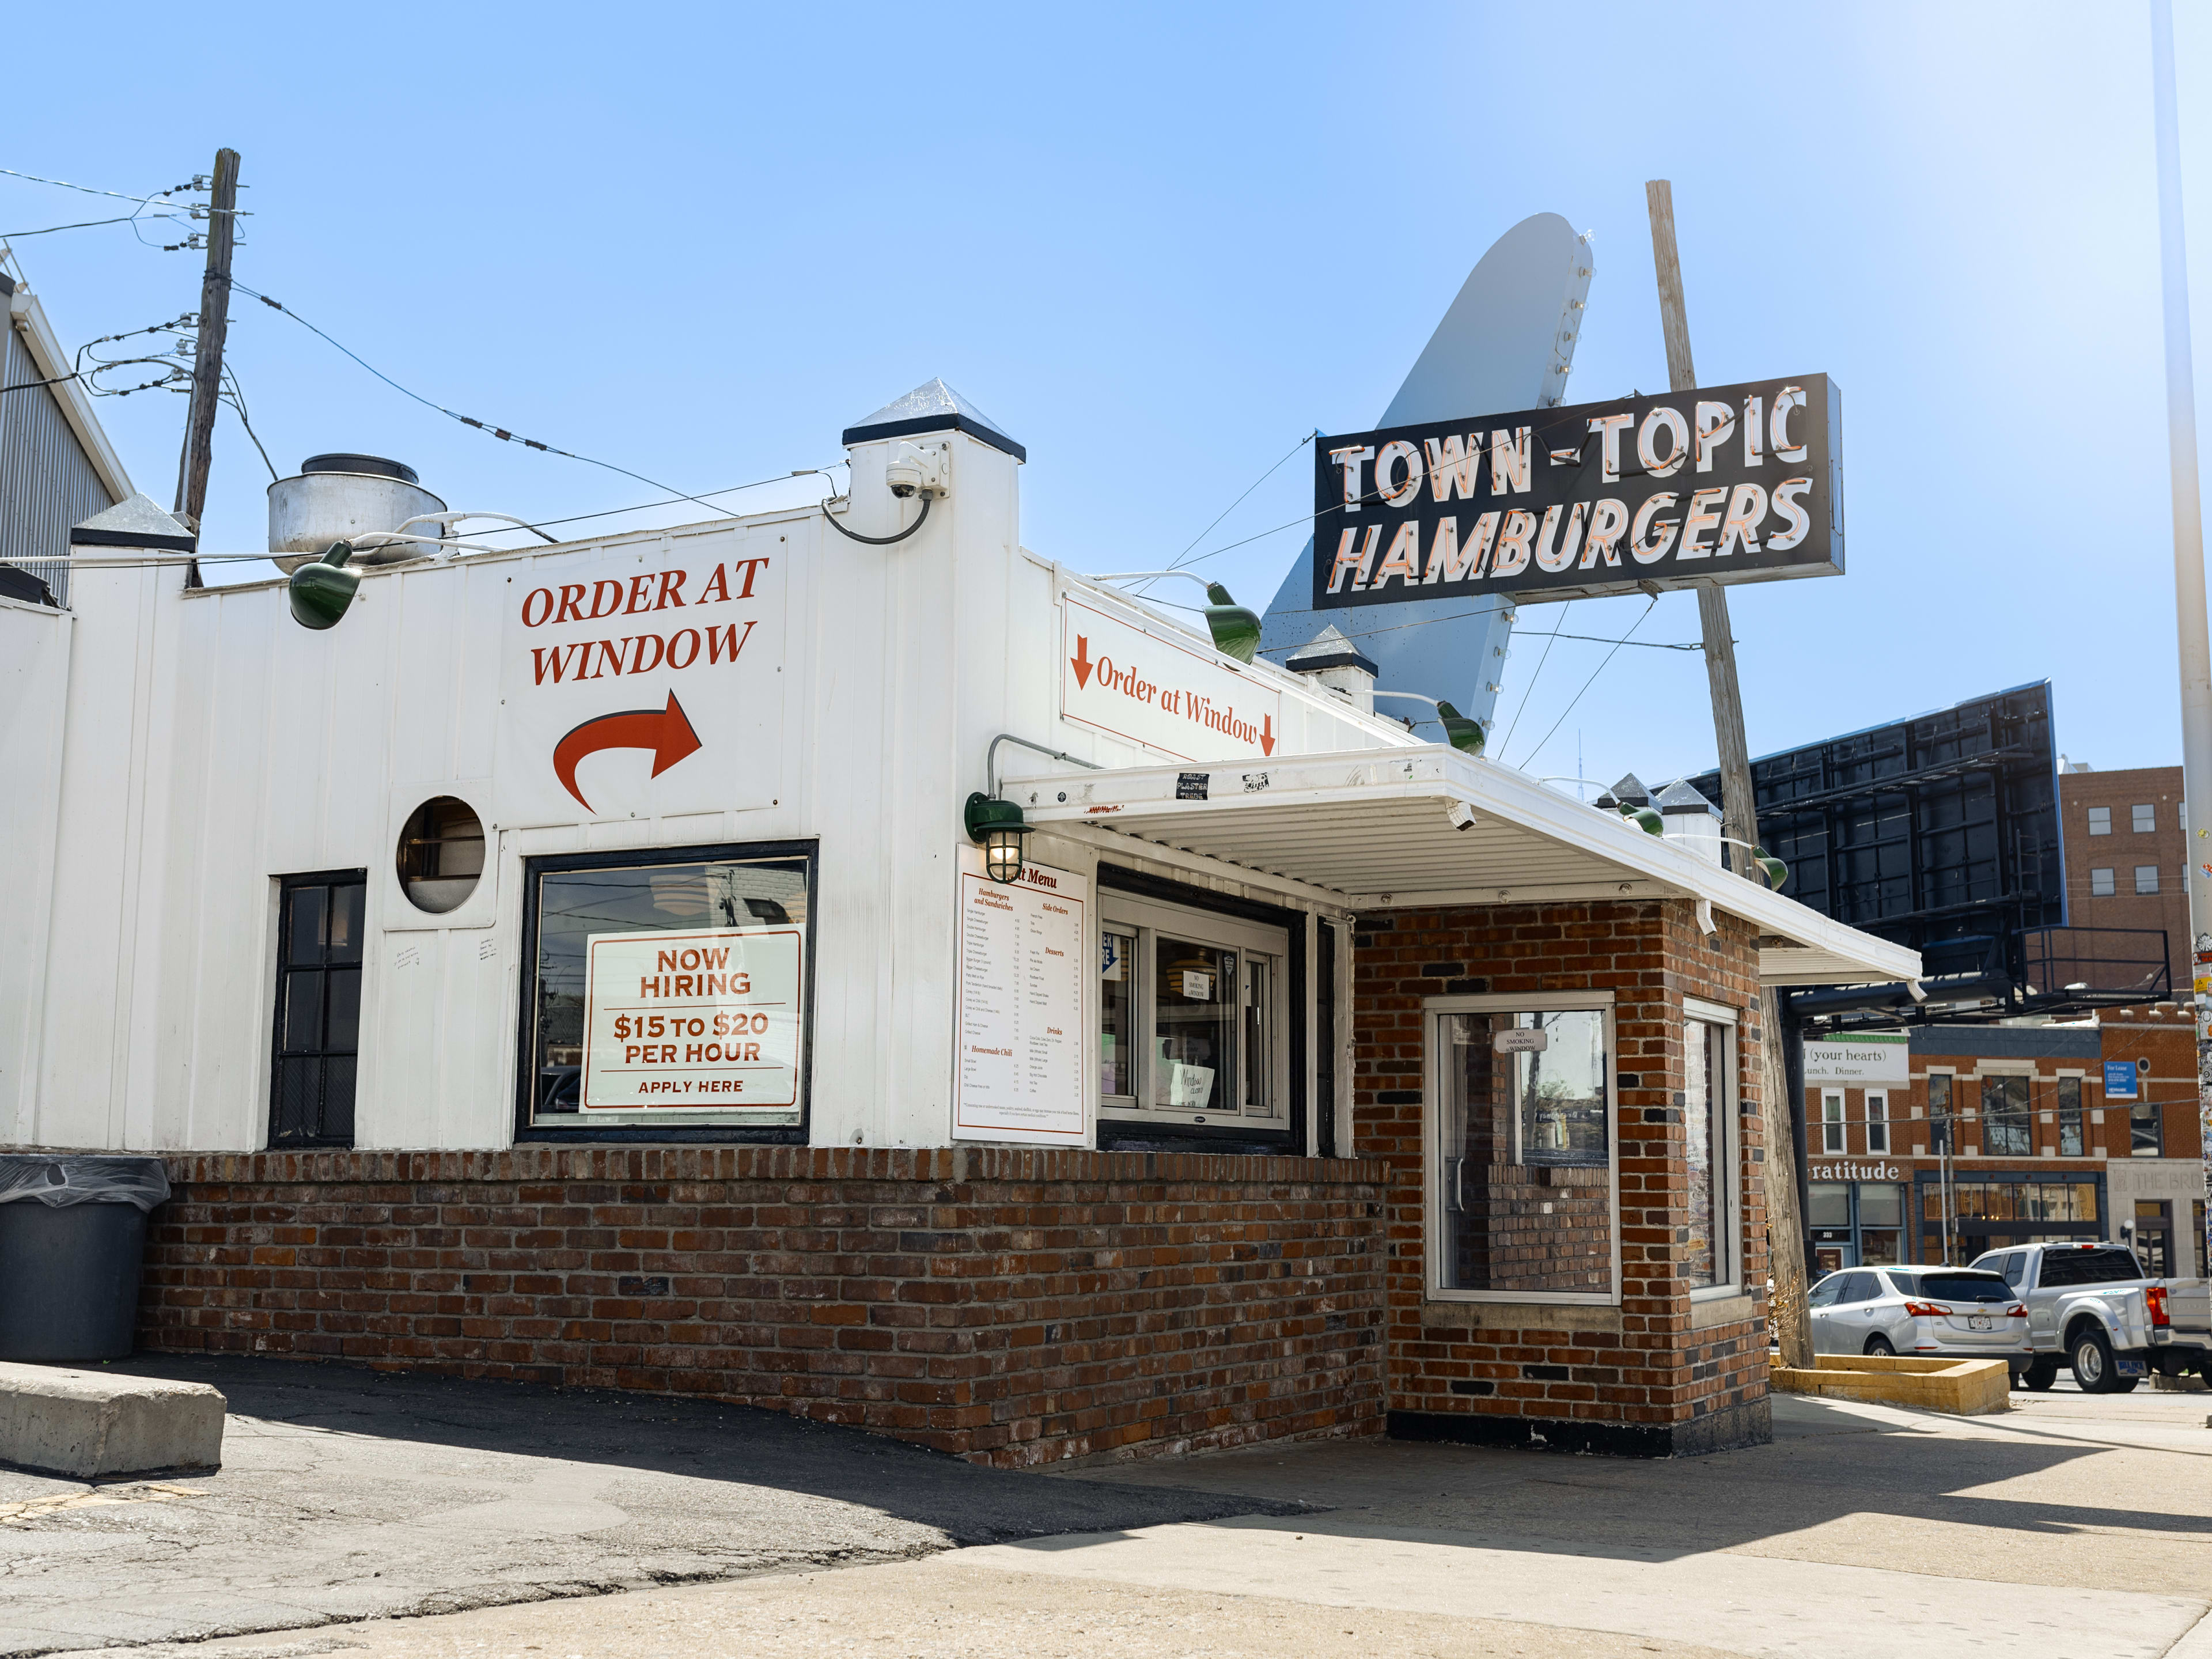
(375, 466)
(343, 497)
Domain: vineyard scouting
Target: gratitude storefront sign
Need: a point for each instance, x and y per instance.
(1727, 483)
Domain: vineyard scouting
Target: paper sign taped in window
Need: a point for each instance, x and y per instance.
(1522, 1041)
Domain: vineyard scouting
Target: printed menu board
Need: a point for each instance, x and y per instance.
(1019, 1065)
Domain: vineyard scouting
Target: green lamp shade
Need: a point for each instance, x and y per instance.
(1235, 630)
(996, 826)
(321, 592)
(1776, 870)
(1463, 734)
(1646, 819)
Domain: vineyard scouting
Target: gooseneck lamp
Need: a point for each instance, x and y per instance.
(321, 590)
(996, 826)
(1235, 629)
(1462, 732)
(1645, 818)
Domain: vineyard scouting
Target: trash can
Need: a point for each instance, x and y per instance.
(72, 1238)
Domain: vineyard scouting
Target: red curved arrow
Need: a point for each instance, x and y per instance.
(664, 731)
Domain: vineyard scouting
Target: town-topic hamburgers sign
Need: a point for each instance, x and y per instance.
(1724, 484)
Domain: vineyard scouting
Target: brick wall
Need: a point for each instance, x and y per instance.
(2165, 846)
(1644, 1377)
(1011, 1307)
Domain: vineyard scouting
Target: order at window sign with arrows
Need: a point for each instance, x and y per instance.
(664, 731)
(619, 668)
(1181, 700)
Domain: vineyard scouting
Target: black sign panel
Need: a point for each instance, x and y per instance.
(1727, 483)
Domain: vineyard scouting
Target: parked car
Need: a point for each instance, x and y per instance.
(2092, 1307)
(1920, 1312)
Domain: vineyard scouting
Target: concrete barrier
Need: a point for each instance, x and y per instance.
(1964, 1388)
(90, 1425)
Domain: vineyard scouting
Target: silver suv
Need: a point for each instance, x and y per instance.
(1961, 1313)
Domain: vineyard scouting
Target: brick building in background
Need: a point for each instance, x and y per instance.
(2041, 1147)
(2125, 863)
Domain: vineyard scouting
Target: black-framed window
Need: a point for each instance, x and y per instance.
(319, 926)
(1282, 1128)
(2005, 1123)
(668, 994)
(2146, 1129)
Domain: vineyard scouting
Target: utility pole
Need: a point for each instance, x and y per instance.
(1785, 1229)
(207, 364)
(2196, 649)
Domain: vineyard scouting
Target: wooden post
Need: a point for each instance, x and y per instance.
(207, 363)
(1785, 1229)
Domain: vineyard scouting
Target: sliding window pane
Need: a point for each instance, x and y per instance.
(1117, 975)
(1195, 1026)
(1258, 1038)
(1703, 1144)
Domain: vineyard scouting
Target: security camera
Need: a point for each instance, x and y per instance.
(914, 469)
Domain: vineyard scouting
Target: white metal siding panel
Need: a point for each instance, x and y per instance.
(36, 645)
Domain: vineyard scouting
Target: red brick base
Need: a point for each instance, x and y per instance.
(1011, 1307)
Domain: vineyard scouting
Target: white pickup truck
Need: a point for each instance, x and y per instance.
(2091, 1306)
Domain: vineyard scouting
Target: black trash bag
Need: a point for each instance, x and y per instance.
(78, 1178)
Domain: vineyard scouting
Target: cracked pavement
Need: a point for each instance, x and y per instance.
(347, 1494)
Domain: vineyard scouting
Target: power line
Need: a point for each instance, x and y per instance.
(88, 190)
(609, 512)
(499, 432)
(1528, 691)
(84, 224)
(1587, 683)
(1460, 616)
(1239, 502)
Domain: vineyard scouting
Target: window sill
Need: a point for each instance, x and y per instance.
(1731, 1309)
(1520, 1316)
(1172, 1135)
(645, 1134)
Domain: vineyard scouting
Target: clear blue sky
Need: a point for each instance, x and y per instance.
(1158, 246)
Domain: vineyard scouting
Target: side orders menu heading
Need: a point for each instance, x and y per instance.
(1727, 483)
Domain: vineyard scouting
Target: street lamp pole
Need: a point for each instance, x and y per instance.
(2196, 646)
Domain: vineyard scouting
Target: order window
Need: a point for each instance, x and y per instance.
(668, 993)
(1192, 1011)
(1521, 1163)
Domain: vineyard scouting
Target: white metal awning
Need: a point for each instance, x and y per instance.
(1381, 829)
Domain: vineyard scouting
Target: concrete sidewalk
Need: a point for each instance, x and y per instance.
(347, 1494)
(2071, 1526)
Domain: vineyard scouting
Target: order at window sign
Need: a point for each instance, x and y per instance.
(696, 1019)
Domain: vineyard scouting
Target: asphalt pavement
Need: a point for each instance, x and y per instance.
(571, 1525)
(350, 1494)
